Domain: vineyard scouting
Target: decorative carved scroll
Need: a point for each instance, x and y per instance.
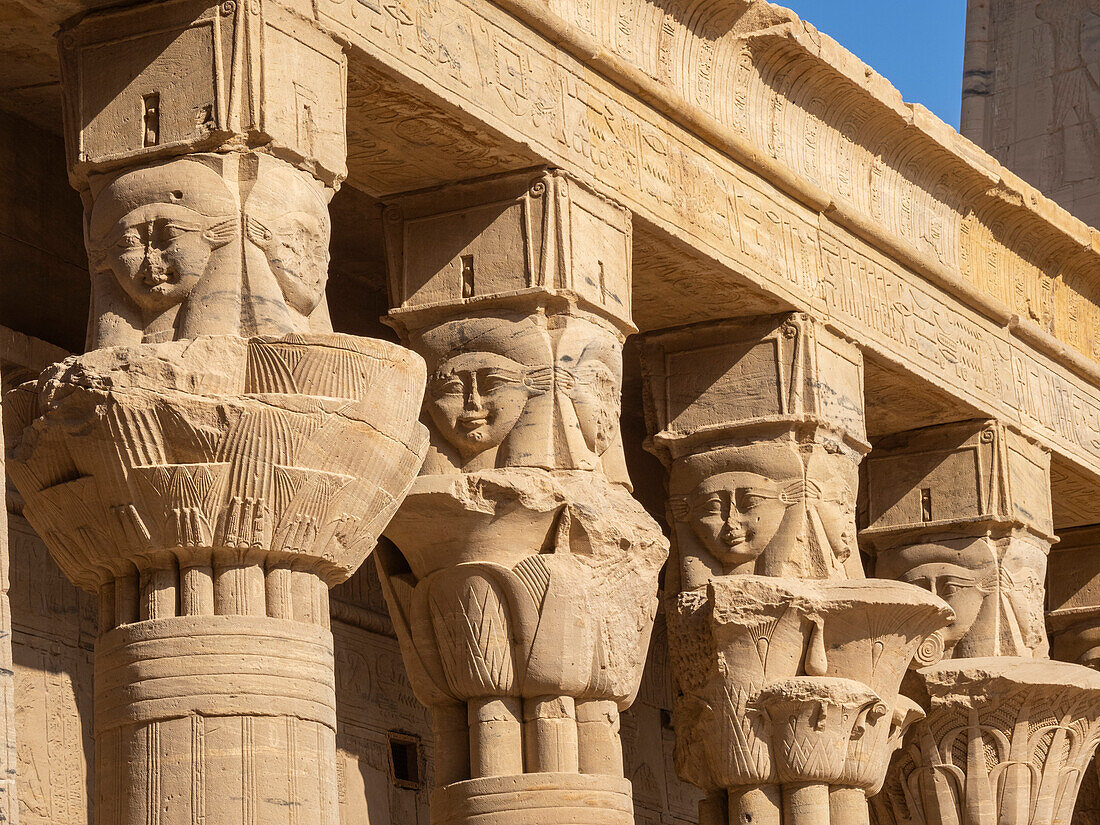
(522, 575)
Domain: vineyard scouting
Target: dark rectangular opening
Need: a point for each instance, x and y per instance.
(405, 761)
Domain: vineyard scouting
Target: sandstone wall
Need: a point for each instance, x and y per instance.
(1031, 95)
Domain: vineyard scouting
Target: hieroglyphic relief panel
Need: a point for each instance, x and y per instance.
(737, 221)
(757, 70)
(1030, 94)
(928, 193)
(52, 639)
(376, 710)
(53, 627)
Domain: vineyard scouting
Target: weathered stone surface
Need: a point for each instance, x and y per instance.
(1073, 597)
(522, 578)
(1005, 739)
(210, 492)
(752, 652)
(964, 510)
(1030, 96)
(177, 250)
(654, 164)
(788, 706)
(823, 207)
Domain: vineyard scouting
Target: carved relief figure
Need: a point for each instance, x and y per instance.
(164, 246)
(995, 591)
(512, 393)
(767, 509)
(476, 398)
(152, 238)
(736, 515)
(1075, 150)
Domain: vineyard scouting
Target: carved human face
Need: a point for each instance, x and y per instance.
(964, 588)
(836, 509)
(475, 400)
(297, 250)
(287, 217)
(158, 252)
(736, 515)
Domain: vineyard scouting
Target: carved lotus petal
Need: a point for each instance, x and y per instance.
(302, 446)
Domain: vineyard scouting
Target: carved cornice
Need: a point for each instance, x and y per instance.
(793, 105)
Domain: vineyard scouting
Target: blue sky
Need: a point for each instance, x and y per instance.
(918, 46)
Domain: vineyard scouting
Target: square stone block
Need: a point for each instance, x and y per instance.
(971, 471)
(750, 374)
(162, 79)
(535, 231)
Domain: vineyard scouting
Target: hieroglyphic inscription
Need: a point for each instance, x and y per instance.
(374, 700)
(672, 179)
(53, 631)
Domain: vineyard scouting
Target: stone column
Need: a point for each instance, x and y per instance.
(1073, 597)
(9, 805)
(219, 458)
(964, 510)
(522, 579)
(787, 660)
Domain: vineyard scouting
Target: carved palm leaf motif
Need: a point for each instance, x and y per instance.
(473, 632)
(302, 507)
(268, 370)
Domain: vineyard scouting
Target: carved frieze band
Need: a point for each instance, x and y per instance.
(487, 62)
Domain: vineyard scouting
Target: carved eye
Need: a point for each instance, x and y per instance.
(710, 507)
(448, 386)
(495, 380)
(748, 499)
(169, 232)
(950, 587)
(130, 239)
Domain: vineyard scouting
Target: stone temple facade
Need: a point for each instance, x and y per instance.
(544, 412)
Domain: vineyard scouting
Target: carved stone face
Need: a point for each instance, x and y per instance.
(964, 583)
(836, 509)
(158, 253)
(299, 257)
(288, 219)
(155, 229)
(736, 515)
(476, 398)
